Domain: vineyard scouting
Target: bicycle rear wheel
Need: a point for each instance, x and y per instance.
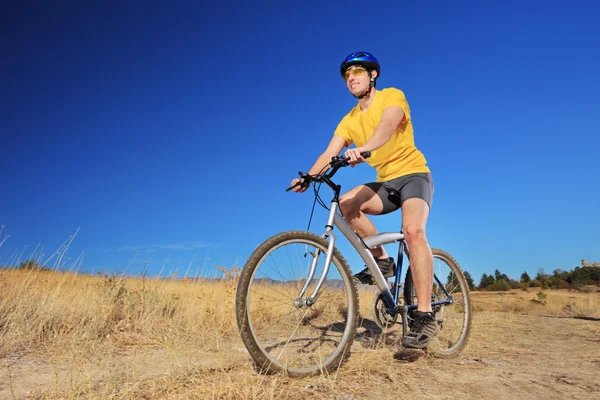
(454, 319)
(282, 335)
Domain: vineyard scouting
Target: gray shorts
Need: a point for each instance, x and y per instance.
(418, 185)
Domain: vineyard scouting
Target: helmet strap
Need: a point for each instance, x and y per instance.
(366, 92)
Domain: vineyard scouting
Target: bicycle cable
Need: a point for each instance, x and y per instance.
(317, 197)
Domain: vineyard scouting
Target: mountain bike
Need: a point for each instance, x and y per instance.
(297, 303)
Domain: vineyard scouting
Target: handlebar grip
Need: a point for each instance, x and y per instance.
(366, 154)
(291, 187)
(305, 182)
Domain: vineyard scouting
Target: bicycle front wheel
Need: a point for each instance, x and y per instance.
(454, 319)
(281, 332)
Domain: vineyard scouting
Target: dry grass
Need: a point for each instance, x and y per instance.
(40, 308)
(534, 301)
(72, 336)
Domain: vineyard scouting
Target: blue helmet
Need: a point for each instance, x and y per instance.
(363, 58)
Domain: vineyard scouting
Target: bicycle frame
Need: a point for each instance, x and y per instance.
(362, 246)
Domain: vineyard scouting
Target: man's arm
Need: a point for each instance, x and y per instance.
(391, 118)
(336, 145)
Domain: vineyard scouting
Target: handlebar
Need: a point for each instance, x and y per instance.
(336, 163)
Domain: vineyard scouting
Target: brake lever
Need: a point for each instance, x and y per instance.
(304, 181)
(344, 161)
(291, 187)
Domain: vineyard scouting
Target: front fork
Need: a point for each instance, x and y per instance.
(309, 301)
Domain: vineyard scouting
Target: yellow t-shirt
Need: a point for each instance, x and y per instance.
(398, 156)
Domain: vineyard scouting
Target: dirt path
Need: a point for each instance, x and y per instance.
(509, 356)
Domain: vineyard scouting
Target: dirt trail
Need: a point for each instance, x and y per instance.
(509, 356)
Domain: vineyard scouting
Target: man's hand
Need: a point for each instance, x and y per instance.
(355, 157)
(299, 188)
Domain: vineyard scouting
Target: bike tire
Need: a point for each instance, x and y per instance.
(251, 318)
(452, 341)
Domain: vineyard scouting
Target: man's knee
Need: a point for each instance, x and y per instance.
(414, 233)
(349, 205)
(361, 199)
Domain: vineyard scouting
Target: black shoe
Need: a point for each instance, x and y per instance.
(423, 329)
(387, 267)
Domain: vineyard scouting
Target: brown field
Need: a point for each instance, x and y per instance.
(66, 336)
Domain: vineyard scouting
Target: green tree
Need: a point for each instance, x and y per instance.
(525, 277)
(469, 280)
(453, 284)
(513, 284)
(535, 283)
(452, 281)
(584, 275)
(594, 273)
(560, 274)
(542, 278)
(483, 282)
(498, 275)
(499, 286)
(486, 280)
(554, 282)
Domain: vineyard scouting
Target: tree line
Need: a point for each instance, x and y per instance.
(559, 279)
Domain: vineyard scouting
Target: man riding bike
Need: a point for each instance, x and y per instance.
(381, 123)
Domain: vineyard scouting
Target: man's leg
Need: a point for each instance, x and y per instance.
(355, 205)
(424, 326)
(415, 212)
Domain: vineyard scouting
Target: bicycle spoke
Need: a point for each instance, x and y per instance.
(290, 334)
(454, 318)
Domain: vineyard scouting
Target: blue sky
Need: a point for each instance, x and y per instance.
(168, 132)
